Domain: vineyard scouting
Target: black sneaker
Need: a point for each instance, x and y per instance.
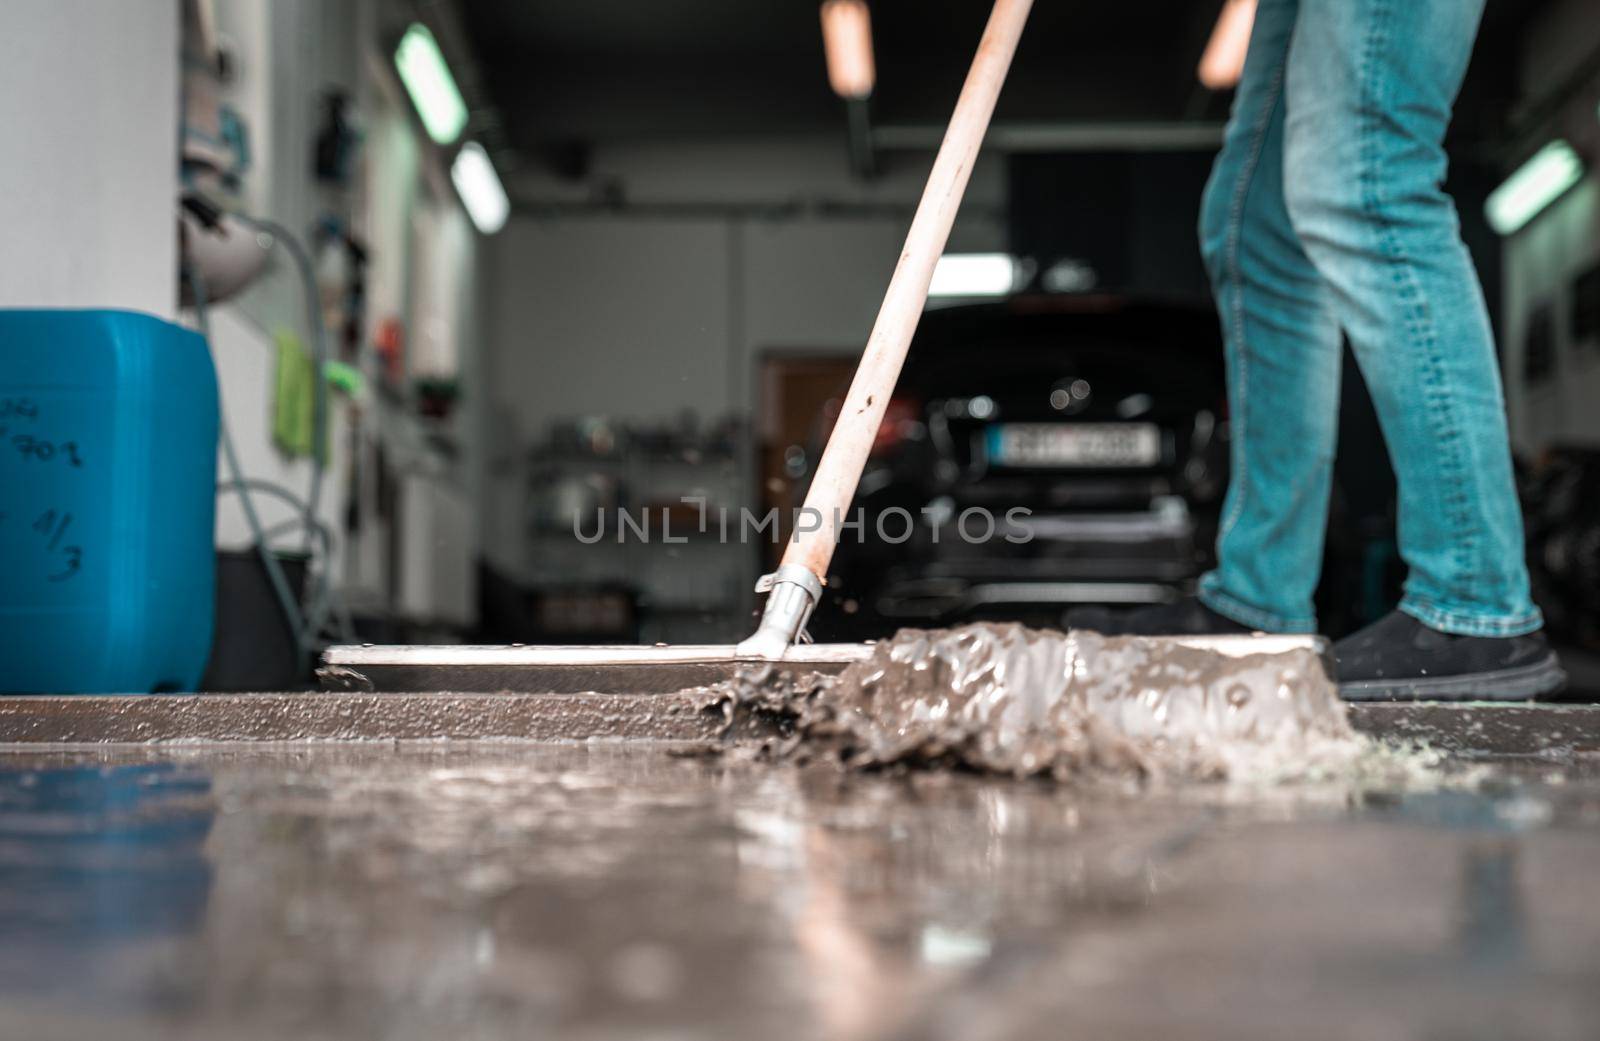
(1397, 658)
(1186, 617)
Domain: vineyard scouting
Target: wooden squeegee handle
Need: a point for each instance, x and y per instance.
(828, 500)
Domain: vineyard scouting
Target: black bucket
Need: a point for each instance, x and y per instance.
(254, 648)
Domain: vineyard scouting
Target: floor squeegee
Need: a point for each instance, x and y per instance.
(795, 588)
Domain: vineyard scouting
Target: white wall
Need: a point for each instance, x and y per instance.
(1542, 259)
(423, 274)
(609, 316)
(644, 315)
(440, 513)
(285, 53)
(89, 176)
(1540, 263)
(88, 191)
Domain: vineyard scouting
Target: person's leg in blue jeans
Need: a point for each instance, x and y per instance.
(1369, 92)
(1370, 87)
(1283, 352)
(1324, 213)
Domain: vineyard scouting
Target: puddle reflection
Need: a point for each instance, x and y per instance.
(97, 859)
(500, 891)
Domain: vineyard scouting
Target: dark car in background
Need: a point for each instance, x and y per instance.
(1091, 429)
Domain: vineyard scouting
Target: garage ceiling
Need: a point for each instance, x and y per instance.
(563, 73)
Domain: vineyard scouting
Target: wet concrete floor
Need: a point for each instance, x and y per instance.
(627, 890)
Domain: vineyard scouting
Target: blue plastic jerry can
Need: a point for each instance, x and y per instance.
(108, 449)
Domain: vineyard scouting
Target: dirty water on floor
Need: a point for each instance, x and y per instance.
(635, 891)
(1074, 706)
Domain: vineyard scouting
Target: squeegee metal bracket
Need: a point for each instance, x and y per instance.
(793, 592)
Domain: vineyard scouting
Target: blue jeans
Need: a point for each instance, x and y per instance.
(1324, 215)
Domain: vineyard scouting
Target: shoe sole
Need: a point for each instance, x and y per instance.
(1523, 683)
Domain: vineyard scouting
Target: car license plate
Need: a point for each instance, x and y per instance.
(1075, 444)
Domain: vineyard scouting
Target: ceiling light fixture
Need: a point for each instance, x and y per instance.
(480, 189)
(1222, 64)
(847, 44)
(973, 274)
(433, 90)
(1537, 183)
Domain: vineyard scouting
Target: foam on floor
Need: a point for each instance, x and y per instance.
(1004, 698)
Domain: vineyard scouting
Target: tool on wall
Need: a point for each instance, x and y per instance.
(225, 249)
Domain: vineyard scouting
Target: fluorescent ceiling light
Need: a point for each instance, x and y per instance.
(1540, 181)
(480, 188)
(973, 274)
(433, 90)
(847, 43)
(1223, 61)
